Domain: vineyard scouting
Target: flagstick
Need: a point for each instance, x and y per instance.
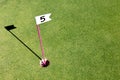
(40, 39)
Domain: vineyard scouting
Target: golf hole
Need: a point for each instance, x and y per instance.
(44, 63)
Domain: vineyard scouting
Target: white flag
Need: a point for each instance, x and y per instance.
(42, 18)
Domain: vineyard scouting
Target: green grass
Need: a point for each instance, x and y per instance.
(82, 41)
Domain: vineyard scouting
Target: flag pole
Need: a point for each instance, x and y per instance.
(40, 40)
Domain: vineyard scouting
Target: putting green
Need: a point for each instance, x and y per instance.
(82, 41)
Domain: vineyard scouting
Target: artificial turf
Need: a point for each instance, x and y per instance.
(82, 41)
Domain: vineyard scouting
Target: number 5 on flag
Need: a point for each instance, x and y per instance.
(42, 18)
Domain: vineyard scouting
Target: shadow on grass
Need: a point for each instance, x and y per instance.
(10, 27)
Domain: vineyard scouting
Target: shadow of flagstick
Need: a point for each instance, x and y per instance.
(25, 45)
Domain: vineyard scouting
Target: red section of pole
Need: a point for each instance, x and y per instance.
(40, 39)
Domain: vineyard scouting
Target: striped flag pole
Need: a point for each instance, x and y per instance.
(40, 20)
(40, 39)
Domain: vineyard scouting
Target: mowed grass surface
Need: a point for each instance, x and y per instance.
(82, 41)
